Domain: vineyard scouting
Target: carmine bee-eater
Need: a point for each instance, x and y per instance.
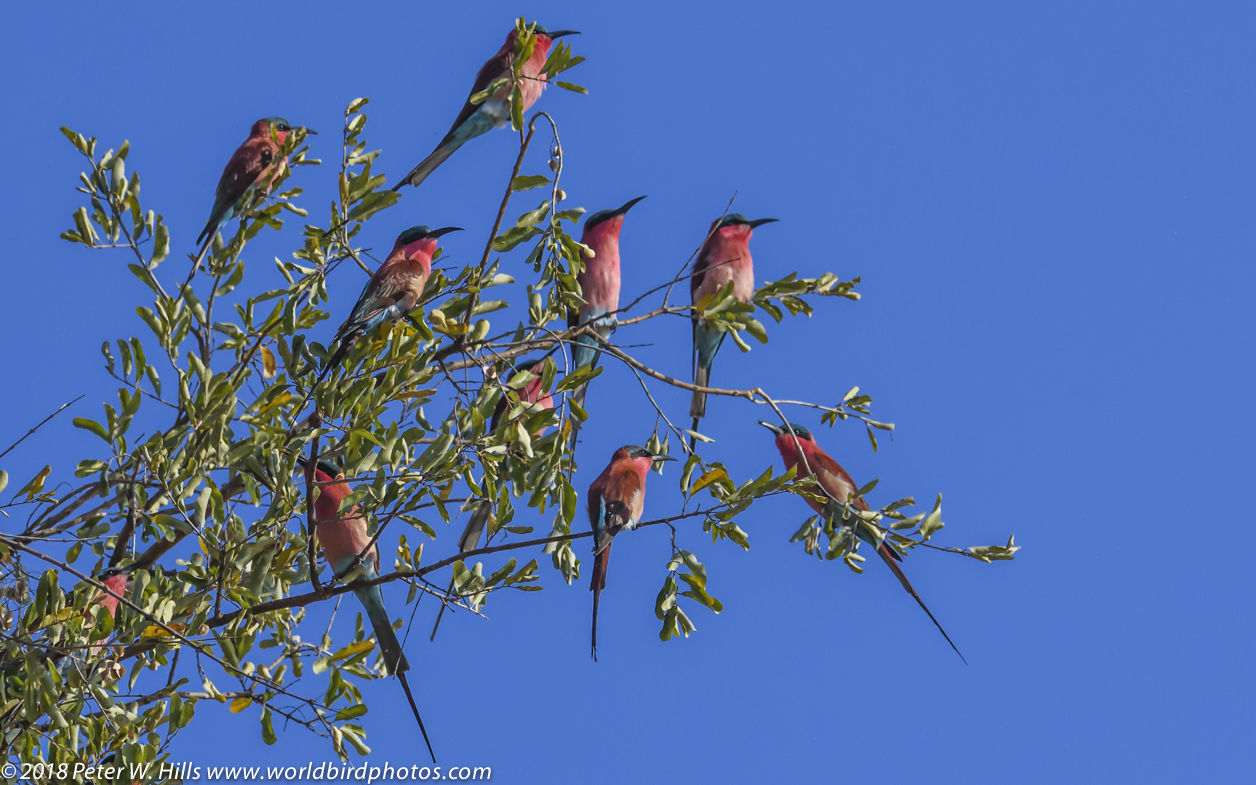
(395, 288)
(251, 163)
(724, 258)
(530, 393)
(115, 582)
(494, 111)
(344, 539)
(839, 486)
(616, 499)
(599, 286)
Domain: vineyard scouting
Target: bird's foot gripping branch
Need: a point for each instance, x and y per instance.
(258, 463)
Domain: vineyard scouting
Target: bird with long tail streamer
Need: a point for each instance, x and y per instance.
(599, 287)
(493, 111)
(344, 539)
(800, 452)
(723, 259)
(392, 292)
(616, 500)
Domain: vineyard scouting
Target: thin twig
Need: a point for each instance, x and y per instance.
(60, 409)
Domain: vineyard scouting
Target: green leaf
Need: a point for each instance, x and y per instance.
(511, 238)
(36, 484)
(371, 204)
(353, 648)
(805, 529)
(575, 88)
(525, 182)
(867, 488)
(161, 245)
(933, 521)
(712, 476)
(478, 98)
(268, 728)
(516, 109)
(350, 712)
(533, 217)
(698, 436)
(989, 553)
(756, 329)
(355, 736)
(696, 567)
(697, 591)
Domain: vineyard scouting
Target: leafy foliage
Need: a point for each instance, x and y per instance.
(196, 486)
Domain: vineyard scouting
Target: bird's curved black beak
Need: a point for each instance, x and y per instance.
(658, 457)
(310, 131)
(560, 33)
(762, 221)
(776, 429)
(446, 230)
(628, 206)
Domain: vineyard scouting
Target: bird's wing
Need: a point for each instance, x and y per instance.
(618, 516)
(609, 516)
(246, 163)
(379, 294)
(699, 272)
(597, 517)
(624, 499)
(834, 479)
(499, 411)
(493, 68)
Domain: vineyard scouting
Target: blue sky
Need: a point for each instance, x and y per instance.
(1051, 209)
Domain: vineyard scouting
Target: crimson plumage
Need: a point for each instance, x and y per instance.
(494, 111)
(615, 502)
(723, 259)
(344, 538)
(800, 451)
(395, 288)
(599, 286)
(251, 163)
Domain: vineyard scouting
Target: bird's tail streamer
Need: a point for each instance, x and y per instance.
(395, 661)
(428, 165)
(889, 557)
(600, 562)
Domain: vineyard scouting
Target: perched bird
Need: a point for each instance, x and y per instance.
(494, 111)
(115, 579)
(599, 286)
(530, 393)
(394, 290)
(616, 499)
(251, 163)
(344, 539)
(839, 486)
(724, 258)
